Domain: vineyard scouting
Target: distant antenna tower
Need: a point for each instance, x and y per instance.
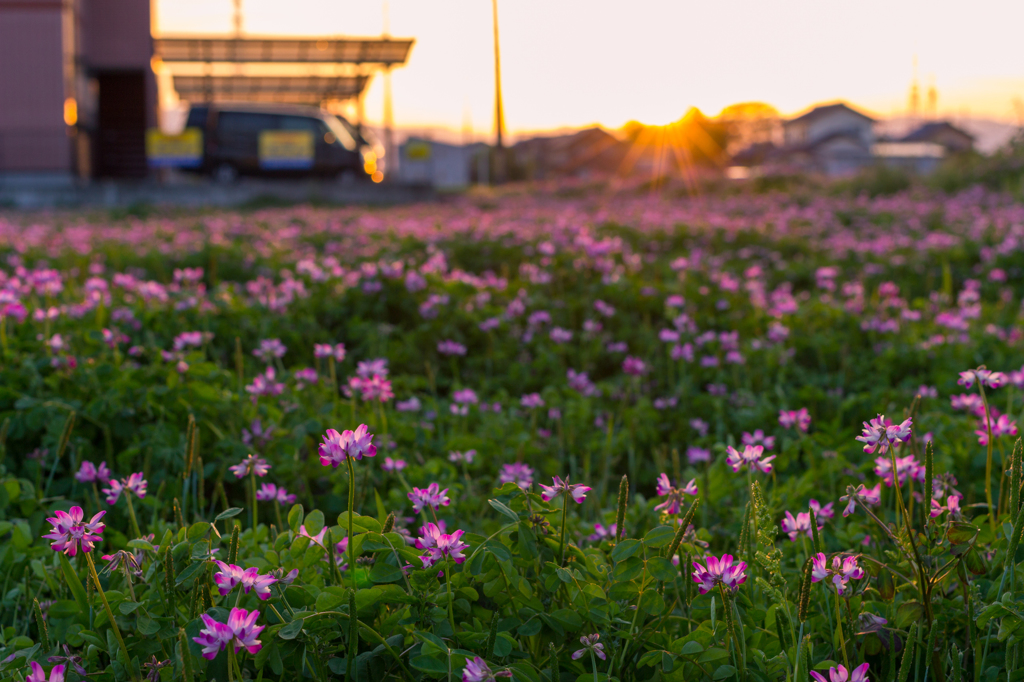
(915, 95)
(238, 18)
(933, 100)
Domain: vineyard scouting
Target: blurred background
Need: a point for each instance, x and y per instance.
(377, 95)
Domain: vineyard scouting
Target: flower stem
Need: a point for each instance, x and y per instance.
(593, 661)
(131, 515)
(839, 632)
(988, 459)
(255, 504)
(448, 582)
(351, 504)
(277, 513)
(565, 514)
(110, 617)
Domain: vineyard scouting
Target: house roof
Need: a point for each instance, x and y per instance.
(925, 132)
(824, 110)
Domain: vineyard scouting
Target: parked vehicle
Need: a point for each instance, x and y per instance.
(280, 141)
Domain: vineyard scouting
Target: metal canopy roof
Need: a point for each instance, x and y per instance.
(281, 89)
(387, 51)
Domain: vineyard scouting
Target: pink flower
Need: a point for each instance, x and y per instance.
(337, 446)
(518, 473)
(971, 402)
(251, 464)
(863, 495)
(531, 400)
(269, 492)
(840, 674)
(134, 484)
(440, 545)
(719, 572)
(634, 366)
(393, 465)
(477, 670)
(90, 473)
(841, 572)
(695, 454)
(37, 674)
(985, 377)
(558, 486)
(240, 630)
(227, 577)
(305, 376)
(674, 500)
(602, 532)
(880, 432)
(800, 419)
(431, 496)
(326, 350)
(801, 525)
(270, 349)
(590, 643)
(821, 513)
(758, 438)
(70, 532)
(455, 456)
(952, 506)
(265, 384)
(449, 347)
(1002, 426)
(905, 466)
(750, 458)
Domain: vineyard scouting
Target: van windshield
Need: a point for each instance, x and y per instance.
(344, 137)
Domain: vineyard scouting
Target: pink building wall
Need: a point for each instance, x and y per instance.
(33, 137)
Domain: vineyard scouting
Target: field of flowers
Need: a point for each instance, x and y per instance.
(535, 437)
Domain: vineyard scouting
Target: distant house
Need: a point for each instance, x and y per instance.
(828, 121)
(834, 139)
(589, 152)
(438, 165)
(943, 133)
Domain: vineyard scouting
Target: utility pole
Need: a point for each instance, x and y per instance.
(388, 115)
(499, 112)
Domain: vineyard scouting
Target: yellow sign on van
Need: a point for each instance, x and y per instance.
(184, 150)
(286, 149)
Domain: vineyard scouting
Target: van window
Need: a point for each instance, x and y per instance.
(303, 123)
(344, 137)
(197, 117)
(244, 122)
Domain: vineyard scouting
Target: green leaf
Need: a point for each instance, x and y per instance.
(291, 630)
(662, 569)
(625, 549)
(385, 573)
(314, 522)
(691, 649)
(961, 533)
(429, 664)
(229, 513)
(295, 516)
(74, 584)
(659, 536)
(190, 572)
(724, 671)
(141, 544)
(331, 598)
(127, 607)
(502, 509)
(908, 612)
(198, 530)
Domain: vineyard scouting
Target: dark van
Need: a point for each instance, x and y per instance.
(281, 141)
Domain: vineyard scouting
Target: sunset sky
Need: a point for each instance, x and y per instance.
(575, 62)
